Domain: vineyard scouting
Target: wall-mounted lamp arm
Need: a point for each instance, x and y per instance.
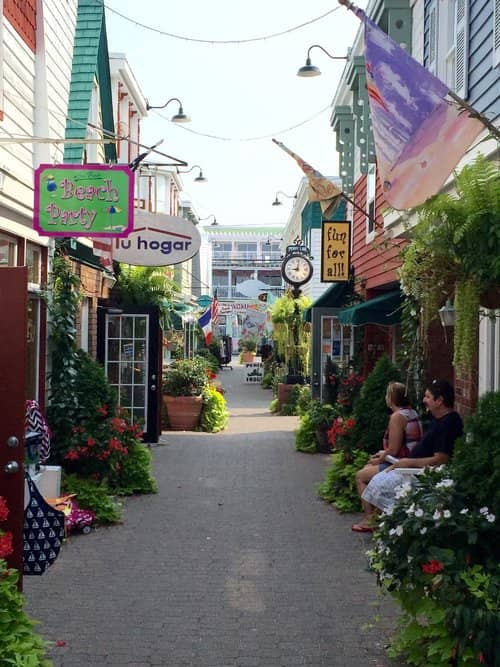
(179, 117)
(311, 70)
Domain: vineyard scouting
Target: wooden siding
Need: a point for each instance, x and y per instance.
(43, 77)
(484, 79)
(372, 260)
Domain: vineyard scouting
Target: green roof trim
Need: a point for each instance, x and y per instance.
(384, 309)
(334, 297)
(90, 62)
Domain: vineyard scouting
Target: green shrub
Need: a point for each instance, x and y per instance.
(214, 415)
(304, 399)
(93, 495)
(438, 554)
(305, 435)
(136, 475)
(339, 486)
(19, 643)
(273, 406)
(267, 380)
(91, 390)
(476, 461)
(370, 413)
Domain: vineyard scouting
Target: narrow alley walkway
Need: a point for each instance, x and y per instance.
(234, 563)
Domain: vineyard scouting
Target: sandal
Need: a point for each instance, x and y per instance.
(361, 528)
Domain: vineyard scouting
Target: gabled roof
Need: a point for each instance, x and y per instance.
(90, 61)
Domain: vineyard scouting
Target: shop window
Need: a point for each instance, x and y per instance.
(8, 251)
(34, 263)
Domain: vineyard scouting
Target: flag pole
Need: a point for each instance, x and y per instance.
(495, 131)
(360, 208)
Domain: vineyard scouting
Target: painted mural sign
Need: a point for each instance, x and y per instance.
(83, 200)
(157, 240)
(335, 251)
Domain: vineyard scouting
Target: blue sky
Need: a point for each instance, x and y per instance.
(236, 92)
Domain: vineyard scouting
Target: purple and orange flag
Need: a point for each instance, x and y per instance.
(420, 133)
(321, 189)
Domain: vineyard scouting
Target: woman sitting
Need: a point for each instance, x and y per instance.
(403, 432)
(435, 449)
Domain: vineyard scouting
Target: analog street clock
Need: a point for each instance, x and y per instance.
(296, 269)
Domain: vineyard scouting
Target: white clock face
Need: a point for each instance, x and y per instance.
(297, 269)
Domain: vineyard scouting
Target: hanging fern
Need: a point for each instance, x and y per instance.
(455, 251)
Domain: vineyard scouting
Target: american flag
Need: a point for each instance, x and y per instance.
(215, 310)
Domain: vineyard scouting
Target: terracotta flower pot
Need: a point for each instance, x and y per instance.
(183, 411)
(248, 357)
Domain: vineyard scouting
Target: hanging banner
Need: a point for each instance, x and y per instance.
(158, 240)
(83, 200)
(335, 251)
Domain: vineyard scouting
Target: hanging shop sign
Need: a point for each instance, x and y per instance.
(158, 240)
(90, 200)
(335, 251)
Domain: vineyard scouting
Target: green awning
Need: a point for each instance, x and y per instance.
(384, 309)
(333, 297)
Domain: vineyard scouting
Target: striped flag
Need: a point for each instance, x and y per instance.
(420, 132)
(205, 322)
(215, 310)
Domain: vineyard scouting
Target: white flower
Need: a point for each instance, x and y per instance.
(419, 513)
(464, 511)
(490, 518)
(410, 509)
(402, 490)
(447, 514)
(437, 515)
(381, 524)
(388, 511)
(444, 483)
(423, 530)
(399, 530)
(484, 510)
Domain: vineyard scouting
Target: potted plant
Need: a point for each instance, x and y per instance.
(248, 348)
(183, 385)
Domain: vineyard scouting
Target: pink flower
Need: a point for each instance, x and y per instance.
(6, 544)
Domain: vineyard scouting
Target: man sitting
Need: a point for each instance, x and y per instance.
(436, 447)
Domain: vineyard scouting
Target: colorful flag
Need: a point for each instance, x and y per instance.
(320, 188)
(215, 310)
(205, 322)
(420, 133)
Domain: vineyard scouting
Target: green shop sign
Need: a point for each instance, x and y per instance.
(89, 200)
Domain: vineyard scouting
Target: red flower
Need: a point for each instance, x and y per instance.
(103, 410)
(432, 567)
(4, 510)
(90, 442)
(118, 424)
(72, 455)
(6, 544)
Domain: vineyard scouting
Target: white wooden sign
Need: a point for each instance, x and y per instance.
(157, 240)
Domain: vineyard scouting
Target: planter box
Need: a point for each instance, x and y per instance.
(183, 412)
(284, 391)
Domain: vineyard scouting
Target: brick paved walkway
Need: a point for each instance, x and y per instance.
(235, 562)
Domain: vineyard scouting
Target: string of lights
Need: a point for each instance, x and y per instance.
(188, 129)
(258, 138)
(219, 41)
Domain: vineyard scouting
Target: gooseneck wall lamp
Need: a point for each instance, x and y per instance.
(200, 178)
(277, 202)
(311, 70)
(179, 117)
(214, 223)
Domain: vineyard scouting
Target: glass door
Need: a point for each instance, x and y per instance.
(129, 346)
